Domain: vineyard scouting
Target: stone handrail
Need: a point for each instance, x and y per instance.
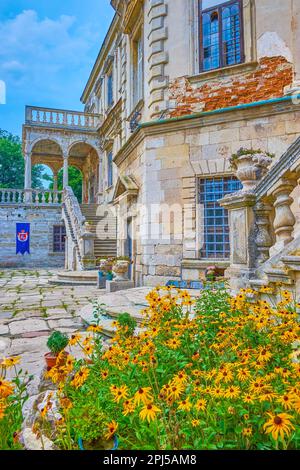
(30, 196)
(83, 240)
(74, 212)
(278, 170)
(62, 118)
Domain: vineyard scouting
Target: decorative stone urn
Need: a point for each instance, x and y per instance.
(250, 167)
(120, 270)
(106, 265)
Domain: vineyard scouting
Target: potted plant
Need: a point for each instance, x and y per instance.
(250, 166)
(109, 276)
(90, 429)
(210, 273)
(120, 268)
(56, 343)
(88, 225)
(105, 264)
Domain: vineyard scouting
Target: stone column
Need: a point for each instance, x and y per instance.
(27, 182)
(65, 171)
(242, 238)
(284, 218)
(264, 238)
(55, 176)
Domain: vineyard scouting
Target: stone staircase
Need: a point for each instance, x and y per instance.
(283, 268)
(106, 229)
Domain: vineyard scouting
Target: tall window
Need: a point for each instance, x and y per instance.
(109, 169)
(221, 38)
(59, 238)
(215, 223)
(110, 94)
(138, 68)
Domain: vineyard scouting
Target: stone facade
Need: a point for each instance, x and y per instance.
(181, 128)
(41, 221)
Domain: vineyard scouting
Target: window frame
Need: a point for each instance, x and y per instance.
(110, 92)
(203, 251)
(62, 242)
(137, 66)
(110, 173)
(221, 53)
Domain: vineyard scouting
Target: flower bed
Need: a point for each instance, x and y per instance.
(220, 373)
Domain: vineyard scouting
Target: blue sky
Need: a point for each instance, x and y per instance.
(47, 50)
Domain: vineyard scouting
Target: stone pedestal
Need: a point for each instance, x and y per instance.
(114, 286)
(242, 238)
(101, 282)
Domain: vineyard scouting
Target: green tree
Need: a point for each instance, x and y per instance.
(75, 181)
(12, 164)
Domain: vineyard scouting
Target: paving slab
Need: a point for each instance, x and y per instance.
(25, 326)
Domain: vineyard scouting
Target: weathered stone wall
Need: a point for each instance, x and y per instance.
(41, 222)
(268, 80)
(167, 164)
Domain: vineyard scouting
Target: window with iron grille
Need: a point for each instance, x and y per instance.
(215, 225)
(59, 238)
(221, 33)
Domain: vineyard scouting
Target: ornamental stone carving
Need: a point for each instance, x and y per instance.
(250, 167)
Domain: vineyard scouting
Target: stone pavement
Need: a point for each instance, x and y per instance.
(30, 309)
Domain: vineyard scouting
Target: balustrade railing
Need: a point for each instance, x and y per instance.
(75, 221)
(48, 117)
(30, 196)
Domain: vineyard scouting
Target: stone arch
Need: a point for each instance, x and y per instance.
(83, 144)
(46, 140)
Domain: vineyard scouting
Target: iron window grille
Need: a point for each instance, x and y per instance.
(59, 238)
(215, 223)
(221, 35)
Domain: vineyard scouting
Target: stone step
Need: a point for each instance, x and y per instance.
(78, 278)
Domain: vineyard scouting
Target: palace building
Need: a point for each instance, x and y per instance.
(178, 87)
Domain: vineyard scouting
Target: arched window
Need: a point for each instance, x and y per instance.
(221, 41)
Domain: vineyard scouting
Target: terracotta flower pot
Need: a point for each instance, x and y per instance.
(51, 359)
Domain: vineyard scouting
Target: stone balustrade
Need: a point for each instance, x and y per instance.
(61, 118)
(30, 196)
(77, 231)
(260, 215)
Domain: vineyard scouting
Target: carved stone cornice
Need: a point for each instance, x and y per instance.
(129, 11)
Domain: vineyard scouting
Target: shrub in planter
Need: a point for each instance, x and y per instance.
(56, 343)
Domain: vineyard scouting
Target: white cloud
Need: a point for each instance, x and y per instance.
(43, 54)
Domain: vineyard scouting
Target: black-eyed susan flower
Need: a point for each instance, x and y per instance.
(149, 412)
(128, 407)
(119, 393)
(2, 409)
(279, 425)
(111, 430)
(6, 388)
(247, 432)
(185, 405)
(286, 401)
(80, 377)
(75, 339)
(143, 395)
(9, 362)
(201, 404)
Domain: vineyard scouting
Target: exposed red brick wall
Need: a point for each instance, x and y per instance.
(266, 82)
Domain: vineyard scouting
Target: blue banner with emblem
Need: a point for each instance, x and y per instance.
(23, 238)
